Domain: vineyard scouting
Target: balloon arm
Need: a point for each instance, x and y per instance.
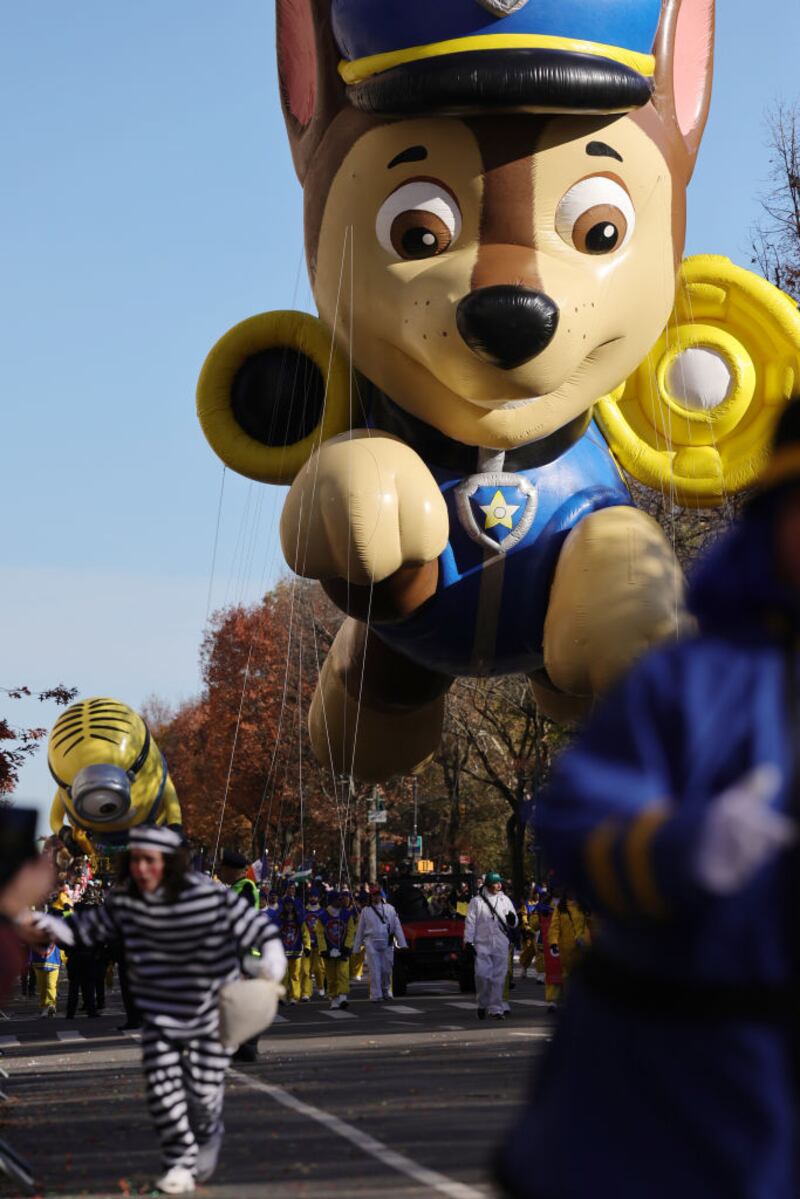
(172, 807)
(364, 507)
(58, 813)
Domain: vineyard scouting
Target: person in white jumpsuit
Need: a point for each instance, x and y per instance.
(379, 929)
(487, 928)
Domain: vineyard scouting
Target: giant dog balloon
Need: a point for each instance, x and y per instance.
(494, 208)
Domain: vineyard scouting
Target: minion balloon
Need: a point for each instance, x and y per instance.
(110, 773)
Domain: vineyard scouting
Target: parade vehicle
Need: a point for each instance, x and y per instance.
(435, 943)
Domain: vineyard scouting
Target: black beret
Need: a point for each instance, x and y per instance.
(232, 857)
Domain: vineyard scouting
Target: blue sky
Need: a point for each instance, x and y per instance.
(147, 203)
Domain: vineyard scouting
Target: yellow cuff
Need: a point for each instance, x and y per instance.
(638, 860)
(600, 865)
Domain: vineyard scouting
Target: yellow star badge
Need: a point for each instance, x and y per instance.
(498, 511)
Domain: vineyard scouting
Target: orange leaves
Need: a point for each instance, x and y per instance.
(243, 744)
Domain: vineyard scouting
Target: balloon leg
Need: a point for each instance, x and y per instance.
(375, 713)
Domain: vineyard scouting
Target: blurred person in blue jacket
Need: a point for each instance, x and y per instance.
(674, 815)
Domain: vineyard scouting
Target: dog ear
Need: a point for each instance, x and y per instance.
(684, 68)
(312, 91)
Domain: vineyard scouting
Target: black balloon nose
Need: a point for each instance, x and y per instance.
(507, 325)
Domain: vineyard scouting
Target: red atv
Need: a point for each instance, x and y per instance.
(435, 943)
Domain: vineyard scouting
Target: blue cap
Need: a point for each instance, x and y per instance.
(578, 55)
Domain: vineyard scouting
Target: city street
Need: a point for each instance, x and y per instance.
(403, 1100)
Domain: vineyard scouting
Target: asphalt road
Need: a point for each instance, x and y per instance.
(396, 1101)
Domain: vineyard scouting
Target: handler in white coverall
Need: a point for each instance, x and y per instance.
(379, 929)
(487, 928)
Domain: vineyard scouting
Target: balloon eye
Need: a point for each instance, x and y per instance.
(599, 230)
(596, 216)
(421, 219)
(418, 234)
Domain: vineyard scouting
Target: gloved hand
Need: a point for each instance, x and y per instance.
(271, 964)
(741, 832)
(306, 953)
(334, 953)
(345, 954)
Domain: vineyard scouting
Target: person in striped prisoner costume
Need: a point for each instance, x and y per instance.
(184, 938)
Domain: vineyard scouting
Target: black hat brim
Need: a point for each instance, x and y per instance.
(478, 81)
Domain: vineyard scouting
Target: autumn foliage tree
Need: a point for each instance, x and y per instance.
(239, 754)
(18, 744)
(776, 238)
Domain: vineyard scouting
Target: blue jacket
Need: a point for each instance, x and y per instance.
(667, 1105)
(508, 523)
(46, 959)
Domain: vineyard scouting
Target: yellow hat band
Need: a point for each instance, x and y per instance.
(783, 466)
(365, 68)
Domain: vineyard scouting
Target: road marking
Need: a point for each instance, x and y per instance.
(438, 1183)
(468, 1007)
(8, 1042)
(338, 1014)
(533, 1002)
(539, 1036)
(403, 1010)
(279, 1019)
(70, 1034)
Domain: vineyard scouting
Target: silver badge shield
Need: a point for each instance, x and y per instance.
(496, 509)
(503, 8)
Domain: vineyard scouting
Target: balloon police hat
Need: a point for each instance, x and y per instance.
(456, 56)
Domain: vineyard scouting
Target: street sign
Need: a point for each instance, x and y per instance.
(379, 816)
(415, 847)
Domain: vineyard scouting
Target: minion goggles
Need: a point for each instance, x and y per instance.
(101, 792)
(457, 56)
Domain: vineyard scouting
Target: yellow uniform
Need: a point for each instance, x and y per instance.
(569, 931)
(529, 923)
(297, 947)
(339, 932)
(313, 970)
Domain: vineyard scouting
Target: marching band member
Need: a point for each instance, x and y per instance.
(339, 932)
(529, 925)
(351, 908)
(313, 969)
(296, 944)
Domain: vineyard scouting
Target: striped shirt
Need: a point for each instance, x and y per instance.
(179, 955)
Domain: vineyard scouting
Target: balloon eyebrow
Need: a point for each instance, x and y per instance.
(412, 154)
(601, 150)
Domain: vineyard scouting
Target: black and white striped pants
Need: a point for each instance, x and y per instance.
(185, 1086)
